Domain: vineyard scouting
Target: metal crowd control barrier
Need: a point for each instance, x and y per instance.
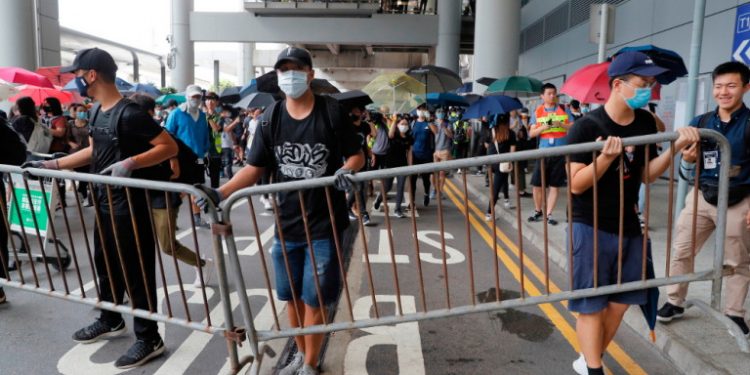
(450, 308)
(28, 209)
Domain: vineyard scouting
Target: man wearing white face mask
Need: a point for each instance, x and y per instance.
(305, 136)
(188, 123)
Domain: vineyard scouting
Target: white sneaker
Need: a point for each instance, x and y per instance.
(579, 366)
(266, 203)
(307, 370)
(296, 364)
(508, 205)
(207, 272)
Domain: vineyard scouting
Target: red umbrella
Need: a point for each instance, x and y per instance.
(590, 84)
(41, 93)
(23, 76)
(53, 74)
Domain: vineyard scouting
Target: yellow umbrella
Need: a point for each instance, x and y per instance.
(397, 90)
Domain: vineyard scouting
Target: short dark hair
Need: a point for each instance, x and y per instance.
(27, 107)
(146, 102)
(575, 104)
(732, 67)
(624, 77)
(55, 108)
(548, 86)
(105, 76)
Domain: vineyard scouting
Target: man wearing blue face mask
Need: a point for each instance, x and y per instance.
(304, 136)
(631, 79)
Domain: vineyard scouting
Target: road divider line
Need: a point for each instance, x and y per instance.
(567, 330)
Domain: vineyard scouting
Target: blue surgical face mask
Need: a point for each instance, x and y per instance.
(83, 86)
(640, 98)
(440, 115)
(585, 110)
(293, 83)
(82, 115)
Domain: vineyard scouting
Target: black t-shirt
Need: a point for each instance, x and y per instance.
(305, 149)
(23, 125)
(397, 153)
(135, 132)
(503, 146)
(362, 131)
(586, 129)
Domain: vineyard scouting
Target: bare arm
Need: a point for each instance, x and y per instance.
(536, 130)
(656, 167)
(582, 175)
(245, 177)
(77, 159)
(232, 125)
(164, 148)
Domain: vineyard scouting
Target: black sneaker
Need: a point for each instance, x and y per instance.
(98, 330)
(366, 219)
(536, 216)
(668, 312)
(740, 321)
(377, 202)
(2, 296)
(426, 200)
(551, 221)
(140, 353)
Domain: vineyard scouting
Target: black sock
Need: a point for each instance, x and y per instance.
(596, 371)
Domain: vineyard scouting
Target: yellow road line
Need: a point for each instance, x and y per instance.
(622, 358)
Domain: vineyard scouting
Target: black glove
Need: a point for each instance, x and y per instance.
(212, 194)
(343, 182)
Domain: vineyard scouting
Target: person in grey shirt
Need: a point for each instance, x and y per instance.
(443, 144)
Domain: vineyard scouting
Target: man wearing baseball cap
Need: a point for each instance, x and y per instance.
(632, 75)
(302, 137)
(139, 150)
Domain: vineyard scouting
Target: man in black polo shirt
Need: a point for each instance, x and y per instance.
(137, 150)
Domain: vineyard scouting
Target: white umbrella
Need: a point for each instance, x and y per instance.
(7, 90)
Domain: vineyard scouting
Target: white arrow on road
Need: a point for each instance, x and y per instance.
(737, 55)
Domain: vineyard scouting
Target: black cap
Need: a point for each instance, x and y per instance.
(95, 59)
(298, 55)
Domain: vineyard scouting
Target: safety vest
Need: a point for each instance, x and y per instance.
(543, 117)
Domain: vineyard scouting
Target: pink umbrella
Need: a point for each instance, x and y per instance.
(23, 76)
(41, 93)
(590, 84)
(53, 74)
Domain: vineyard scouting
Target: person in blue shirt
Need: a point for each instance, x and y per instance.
(188, 123)
(731, 81)
(422, 150)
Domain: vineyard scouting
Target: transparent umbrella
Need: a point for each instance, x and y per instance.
(397, 90)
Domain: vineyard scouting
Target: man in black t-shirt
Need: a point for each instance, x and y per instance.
(137, 150)
(631, 79)
(300, 141)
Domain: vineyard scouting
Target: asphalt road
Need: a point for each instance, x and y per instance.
(36, 329)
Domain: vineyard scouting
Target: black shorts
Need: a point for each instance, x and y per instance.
(555, 172)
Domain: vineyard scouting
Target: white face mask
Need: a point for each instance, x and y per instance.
(403, 128)
(194, 103)
(293, 83)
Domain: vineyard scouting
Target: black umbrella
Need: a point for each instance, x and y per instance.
(471, 98)
(436, 78)
(353, 99)
(268, 83)
(486, 81)
(230, 94)
(256, 100)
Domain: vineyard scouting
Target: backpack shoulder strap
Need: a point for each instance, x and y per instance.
(333, 113)
(269, 122)
(94, 111)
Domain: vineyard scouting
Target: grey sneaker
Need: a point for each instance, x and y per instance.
(140, 353)
(297, 361)
(307, 370)
(98, 330)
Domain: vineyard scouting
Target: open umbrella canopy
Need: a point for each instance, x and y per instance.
(467, 88)
(436, 78)
(515, 86)
(353, 99)
(249, 88)
(38, 94)
(472, 98)
(268, 83)
(664, 58)
(486, 81)
(7, 90)
(178, 97)
(123, 85)
(492, 105)
(53, 74)
(144, 88)
(446, 99)
(230, 95)
(256, 100)
(22, 76)
(400, 92)
(590, 84)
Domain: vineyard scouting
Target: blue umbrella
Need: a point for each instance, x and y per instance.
(664, 58)
(446, 99)
(144, 88)
(70, 86)
(248, 89)
(122, 85)
(467, 88)
(492, 105)
(649, 309)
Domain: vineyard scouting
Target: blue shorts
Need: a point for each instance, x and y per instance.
(583, 268)
(329, 274)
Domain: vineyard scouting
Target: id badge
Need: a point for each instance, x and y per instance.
(710, 159)
(551, 141)
(200, 161)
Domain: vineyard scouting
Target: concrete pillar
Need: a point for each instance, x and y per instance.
(18, 35)
(48, 17)
(449, 34)
(183, 72)
(246, 68)
(497, 30)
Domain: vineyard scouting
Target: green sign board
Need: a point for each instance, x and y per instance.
(25, 221)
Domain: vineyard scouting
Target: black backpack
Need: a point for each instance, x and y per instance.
(190, 170)
(14, 148)
(271, 117)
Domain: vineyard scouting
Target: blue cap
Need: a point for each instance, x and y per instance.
(634, 62)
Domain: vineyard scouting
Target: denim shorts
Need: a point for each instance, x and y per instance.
(303, 278)
(583, 268)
